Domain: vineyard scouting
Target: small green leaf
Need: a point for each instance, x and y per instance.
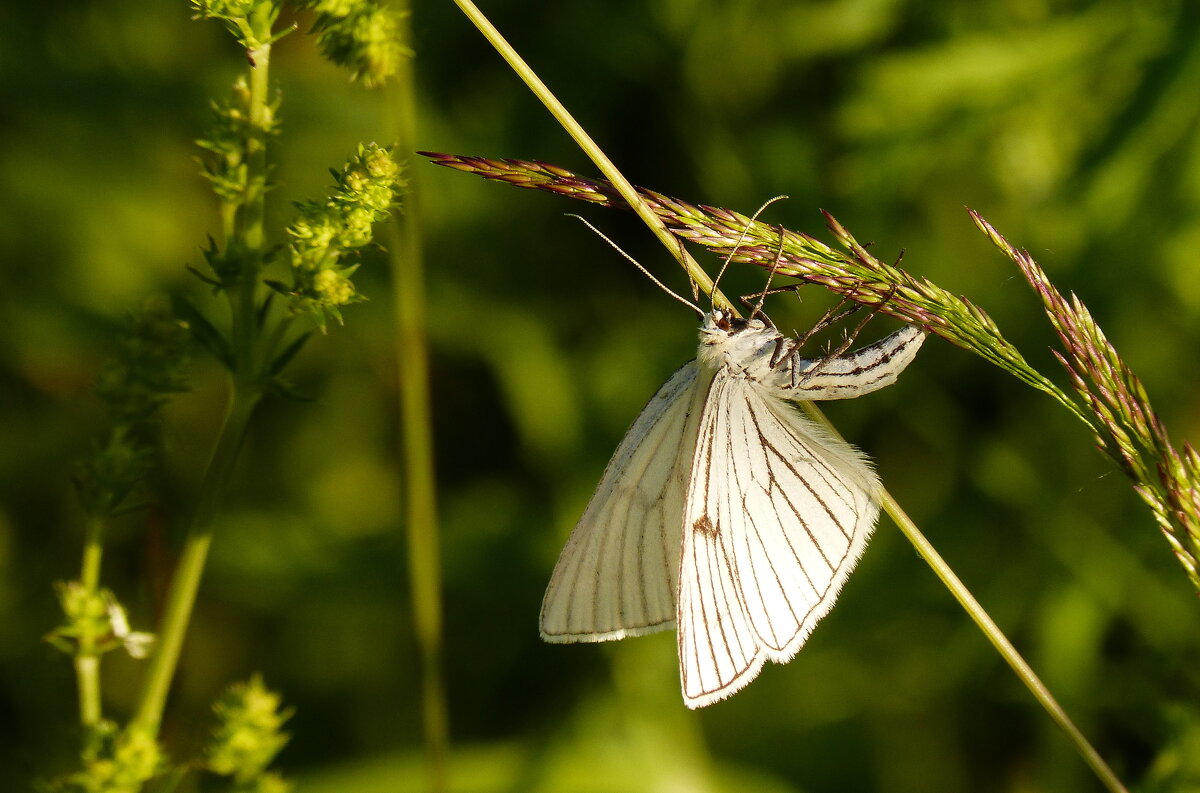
(282, 389)
(287, 355)
(261, 316)
(203, 331)
(215, 284)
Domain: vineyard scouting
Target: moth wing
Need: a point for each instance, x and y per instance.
(719, 652)
(803, 507)
(776, 517)
(618, 573)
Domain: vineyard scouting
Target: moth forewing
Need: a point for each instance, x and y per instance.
(777, 514)
(618, 574)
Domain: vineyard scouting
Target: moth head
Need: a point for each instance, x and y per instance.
(720, 325)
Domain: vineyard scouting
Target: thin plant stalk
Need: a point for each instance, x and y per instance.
(87, 662)
(420, 504)
(1003, 646)
(181, 597)
(248, 228)
(989, 627)
(594, 152)
(87, 675)
(705, 284)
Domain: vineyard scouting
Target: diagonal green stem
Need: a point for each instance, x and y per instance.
(989, 627)
(593, 151)
(247, 244)
(182, 595)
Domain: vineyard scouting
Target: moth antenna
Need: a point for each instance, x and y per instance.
(741, 239)
(767, 286)
(637, 264)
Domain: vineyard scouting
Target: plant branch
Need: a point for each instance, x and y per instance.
(87, 660)
(1127, 428)
(246, 249)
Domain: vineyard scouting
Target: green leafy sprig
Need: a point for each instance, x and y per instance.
(326, 232)
(115, 761)
(146, 372)
(255, 340)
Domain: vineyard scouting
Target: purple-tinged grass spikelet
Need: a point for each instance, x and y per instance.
(856, 274)
(1127, 428)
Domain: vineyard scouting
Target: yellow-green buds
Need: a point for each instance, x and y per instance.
(248, 735)
(325, 232)
(115, 761)
(360, 35)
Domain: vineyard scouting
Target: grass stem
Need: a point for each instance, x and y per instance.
(990, 629)
(592, 150)
(416, 440)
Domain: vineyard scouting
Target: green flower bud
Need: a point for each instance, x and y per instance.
(365, 40)
(224, 9)
(248, 734)
(379, 163)
(357, 230)
(116, 762)
(334, 287)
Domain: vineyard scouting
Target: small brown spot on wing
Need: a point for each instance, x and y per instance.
(705, 526)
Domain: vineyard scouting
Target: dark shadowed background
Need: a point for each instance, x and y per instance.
(1072, 126)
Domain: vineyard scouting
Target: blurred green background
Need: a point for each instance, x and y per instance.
(1072, 126)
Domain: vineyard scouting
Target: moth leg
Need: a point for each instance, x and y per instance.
(845, 345)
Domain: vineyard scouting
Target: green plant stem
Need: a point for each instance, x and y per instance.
(246, 245)
(251, 221)
(249, 236)
(87, 662)
(1003, 646)
(93, 553)
(87, 675)
(674, 246)
(186, 582)
(412, 364)
(990, 629)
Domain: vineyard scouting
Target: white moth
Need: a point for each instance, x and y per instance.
(725, 512)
